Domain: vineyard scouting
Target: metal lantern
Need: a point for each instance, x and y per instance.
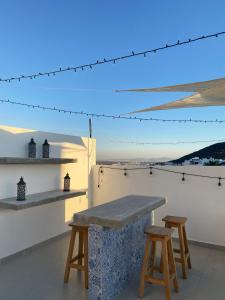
(45, 149)
(32, 149)
(21, 190)
(66, 183)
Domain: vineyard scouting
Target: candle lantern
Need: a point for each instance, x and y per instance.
(66, 183)
(45, 149)
(32, 149)
(21, 190)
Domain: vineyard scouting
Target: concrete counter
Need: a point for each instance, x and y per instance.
(120, 212)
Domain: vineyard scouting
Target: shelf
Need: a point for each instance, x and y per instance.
(39, 199)
(40, 161)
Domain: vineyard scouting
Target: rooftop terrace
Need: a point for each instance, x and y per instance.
(38, 272)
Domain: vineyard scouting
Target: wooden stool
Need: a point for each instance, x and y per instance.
(162, 235)
(82, 252)
(184, 259)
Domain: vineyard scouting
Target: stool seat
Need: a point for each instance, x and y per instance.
(78, 225)
(175, 220)
(159, 231)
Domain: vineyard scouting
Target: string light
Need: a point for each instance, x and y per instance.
(113, 117)
(112, 60)
(160, 170)
(100, 178)
(150, 171)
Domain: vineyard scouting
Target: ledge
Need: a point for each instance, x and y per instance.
(39, 199)
(21, 160)
(120, 212)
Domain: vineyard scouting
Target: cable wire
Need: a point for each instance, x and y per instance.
(151, 168)
(100, 115)
(89, 66)
(167, 143)
(161, 169)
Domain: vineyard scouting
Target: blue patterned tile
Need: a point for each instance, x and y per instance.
(115, 257)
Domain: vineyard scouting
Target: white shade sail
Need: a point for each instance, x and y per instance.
(205, 93)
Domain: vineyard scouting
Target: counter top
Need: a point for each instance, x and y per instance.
(120, 212)
(39, 199)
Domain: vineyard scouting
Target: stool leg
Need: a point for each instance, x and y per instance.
(70, 254)
(161, 264)
(144, 268)
(173, 265)
(186, 247)
(85, 237)
(161, 259)
(152, 258)
(182, 252)
(80, 247)
(166, 274)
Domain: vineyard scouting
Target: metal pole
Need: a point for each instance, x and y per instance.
(90, 128)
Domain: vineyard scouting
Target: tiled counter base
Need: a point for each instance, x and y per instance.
(115, 257)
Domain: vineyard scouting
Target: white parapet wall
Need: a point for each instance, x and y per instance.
(24, 228)
(199, 199)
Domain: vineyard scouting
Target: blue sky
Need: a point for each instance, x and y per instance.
(44, 35)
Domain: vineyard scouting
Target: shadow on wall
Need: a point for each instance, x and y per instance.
(15, 138)
(91, 188)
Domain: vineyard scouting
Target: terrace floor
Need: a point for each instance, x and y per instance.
(38, 275)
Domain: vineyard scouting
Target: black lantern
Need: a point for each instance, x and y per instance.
(21, 190)
(32, 149)
(45, 149)
(66, 183)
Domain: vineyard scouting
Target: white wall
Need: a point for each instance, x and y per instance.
(199, 199)
(22, 229)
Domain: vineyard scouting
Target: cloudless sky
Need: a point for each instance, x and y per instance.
(43, 35)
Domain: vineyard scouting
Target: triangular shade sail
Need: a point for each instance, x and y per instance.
(206, 93)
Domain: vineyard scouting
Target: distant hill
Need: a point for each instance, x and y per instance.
(216, 151)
